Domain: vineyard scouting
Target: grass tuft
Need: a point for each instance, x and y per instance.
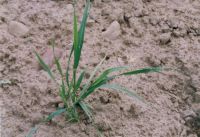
(70, 91)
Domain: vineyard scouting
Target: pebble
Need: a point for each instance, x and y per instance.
(113, 31)
(164, 38)
(90, 22)
(17, 29)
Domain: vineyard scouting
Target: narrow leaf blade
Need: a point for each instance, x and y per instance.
(68, 64)
(57, 60)
(86, 109)
(56, 113)
(82, 33)
(90, 79)
(108, 71)
(75, 43)
(44, 65)
(143, 70)
(79, 81)
(121, 90)
(32, 132)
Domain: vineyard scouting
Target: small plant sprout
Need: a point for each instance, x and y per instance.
(72, 90)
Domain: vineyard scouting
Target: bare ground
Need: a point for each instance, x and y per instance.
(150, 33)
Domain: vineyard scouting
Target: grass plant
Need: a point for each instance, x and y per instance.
(72, 89)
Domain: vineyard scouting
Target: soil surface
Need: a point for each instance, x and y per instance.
(138, 33)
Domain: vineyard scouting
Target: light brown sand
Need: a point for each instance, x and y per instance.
(150, 33)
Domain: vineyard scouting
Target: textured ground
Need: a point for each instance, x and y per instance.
(138, 33)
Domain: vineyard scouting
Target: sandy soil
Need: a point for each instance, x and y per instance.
(138, 33)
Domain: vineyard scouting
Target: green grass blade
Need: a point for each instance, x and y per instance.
(75, 29)
(75, 43)
(121, 90)
(63, 93)
(143, 70)
(68, 64)
(99, 133)
(44, 65)
(90, 79)
(83, 23)
(32, 132)
(57, 60)
(102, 79)
(92, 88)
(59, 67)
(107, 72)
(86, 109)
(56, 113)
(82, 33)
(79, 81)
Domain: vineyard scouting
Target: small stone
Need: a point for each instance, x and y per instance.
(197, 97)
(17, 29)
(164, 38)
(48, 56)
(113, 31)
(90, 22)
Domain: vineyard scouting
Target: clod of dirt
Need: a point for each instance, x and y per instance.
(69, 8)
(3, 39)
(141, 13)
(104, 99)
(133, 110)
(194, 121)
(196, 108)
(179, 32)
(113, 31)
(173, 23)
(165, 38)
(187, 114)
(103, 124)
(117, 14)
(48, 56)
(90, 22)
(17, 29)
(153, 60)
(197, 97)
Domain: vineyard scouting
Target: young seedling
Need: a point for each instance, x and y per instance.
(73, 92)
